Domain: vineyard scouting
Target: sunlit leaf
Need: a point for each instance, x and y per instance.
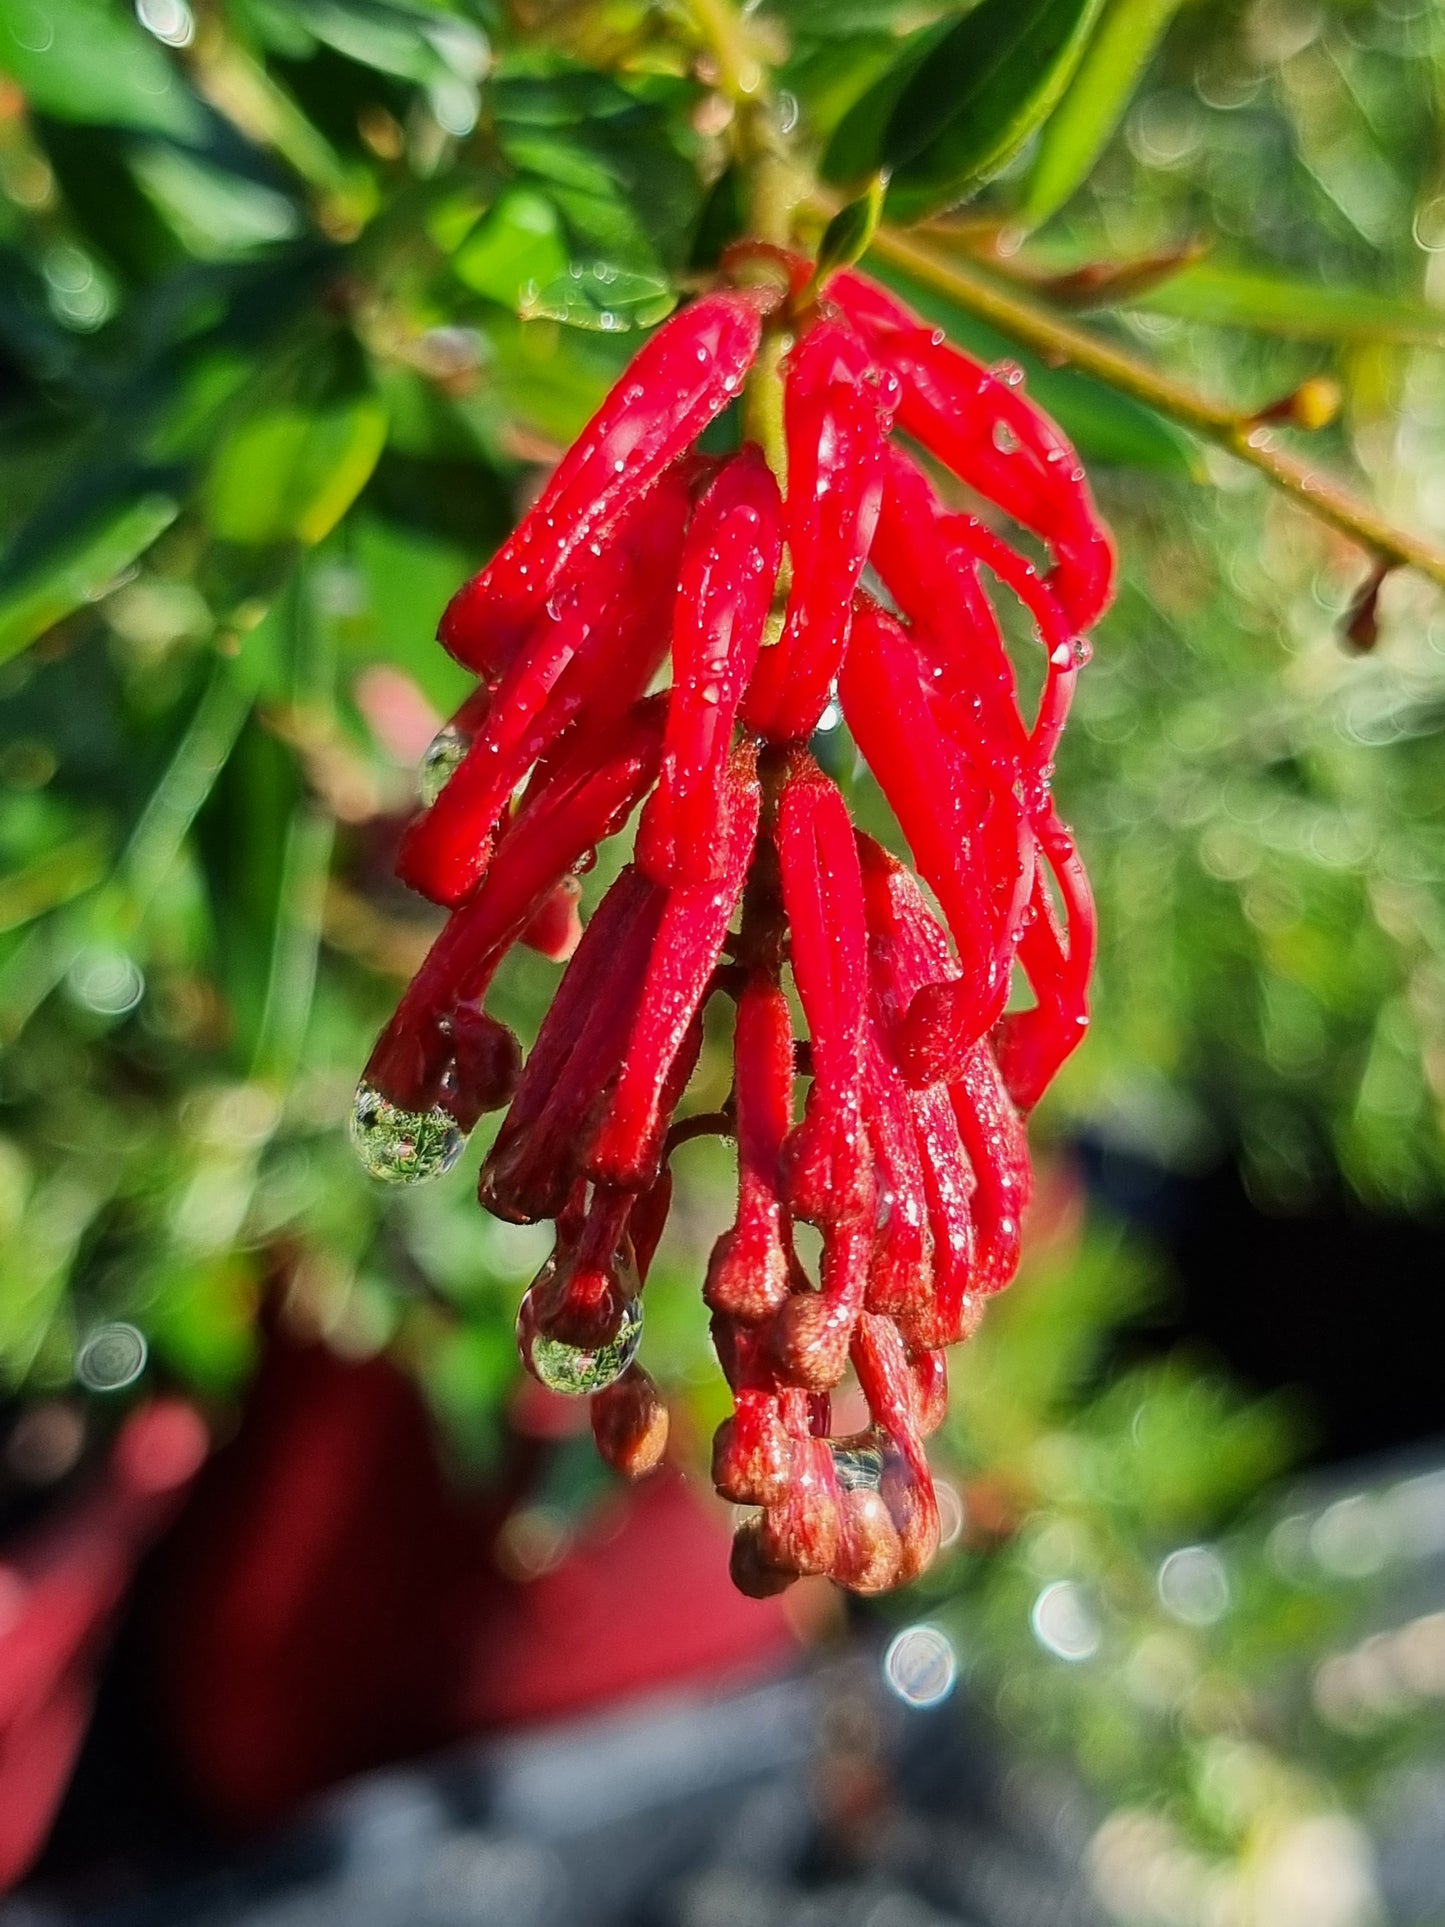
(856, 147)
(607, 299)
(1283, 305)
(217, 214)
(414, 43)
(849, 234)
(977, 96)
(1079, 128)
(78, 569)
(520, 245)
(89, 61)
(290, 473)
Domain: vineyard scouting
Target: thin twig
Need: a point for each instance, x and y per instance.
(721, 1123)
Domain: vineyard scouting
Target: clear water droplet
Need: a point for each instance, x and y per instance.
(112, 1357)
(399, 1146)
(1004, 439)
(578, 1370)
(858, 1463)
(1083, 651)
(439, 762)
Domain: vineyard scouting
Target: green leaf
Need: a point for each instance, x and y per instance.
(1303, 310)
(53, 879)
(290, 472)
(413, 43)
(517, 247)
(217, 215)
(593, 294)
(856, 147)
(977, 96)
(1079, 128)
(849, 234)
(78, 569)
(87, 60)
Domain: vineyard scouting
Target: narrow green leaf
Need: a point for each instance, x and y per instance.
(1079, 128)
(596, 295)
(1303, 310)
(849, 234)
(218, 215)
(78, 569)
(976, 98)
(89, 61)
(290, 473)
(855, 150)
(52, 879)
(519, 245)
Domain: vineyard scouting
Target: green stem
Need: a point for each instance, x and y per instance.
(1062, 343)
(775, 187)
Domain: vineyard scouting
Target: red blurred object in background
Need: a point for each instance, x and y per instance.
(330, 1601)
(60, 1587)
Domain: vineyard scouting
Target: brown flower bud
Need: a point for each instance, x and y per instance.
(751, 1572)
(810, 1342)
(751, 1453)
(869, 1550)
(629, 1423)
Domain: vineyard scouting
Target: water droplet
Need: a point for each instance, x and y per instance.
(1083, 651)
(1063, 1621)
(112, 1357)
(1004, 439)
(403, 1147)
(106, 981)
(1063, 656)
(1009, 373)
(439, 762)
(577, 1370)
(1194, 1586)
(858, 1463)
(920, 1666)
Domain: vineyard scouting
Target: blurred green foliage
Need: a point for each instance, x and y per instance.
(295, 300)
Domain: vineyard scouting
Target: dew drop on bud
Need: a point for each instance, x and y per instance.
(858, 1464)
(579, 1370)
(399, 1146)
(1083, 651)
(439, 762)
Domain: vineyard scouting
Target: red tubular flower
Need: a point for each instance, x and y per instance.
(748, 1273)
(979, 424)
(837, 412)
(910, 1156)
(689, 940)
(688, 373)
(963, 819)
(724, 592)
(594, 650)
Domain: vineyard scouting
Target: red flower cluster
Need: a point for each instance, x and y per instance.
(910, 1157)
